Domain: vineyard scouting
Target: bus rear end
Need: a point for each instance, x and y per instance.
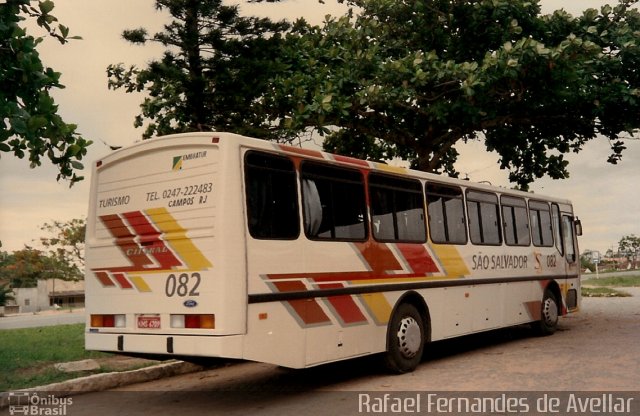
(160, 279)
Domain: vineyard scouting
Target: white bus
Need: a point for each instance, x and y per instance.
(218, 245)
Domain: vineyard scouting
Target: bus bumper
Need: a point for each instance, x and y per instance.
(180, 345)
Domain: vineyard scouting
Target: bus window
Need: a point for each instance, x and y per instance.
(555, 219)
(334, 203)
(516, 221)
(484, 218)
(446, 214)
(541, 230)
(397, 209)
(567, 231)
(272, 200)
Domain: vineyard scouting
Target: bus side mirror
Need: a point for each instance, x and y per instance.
(578, 224)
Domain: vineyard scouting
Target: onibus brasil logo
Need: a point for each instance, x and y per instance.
(27, 403)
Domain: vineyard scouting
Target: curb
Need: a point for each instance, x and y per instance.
(106, 381)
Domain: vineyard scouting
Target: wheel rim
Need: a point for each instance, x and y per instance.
(550, 312)
(409, 337)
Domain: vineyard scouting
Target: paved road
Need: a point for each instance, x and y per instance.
(42, 319)
(593, 351)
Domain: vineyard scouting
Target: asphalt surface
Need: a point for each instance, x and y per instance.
(46, 318)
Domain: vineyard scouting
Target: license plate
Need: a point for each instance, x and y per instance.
(149, 322)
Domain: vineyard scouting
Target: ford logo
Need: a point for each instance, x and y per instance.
(190, 303)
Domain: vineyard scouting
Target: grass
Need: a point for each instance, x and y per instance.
(603, 292)
(604, 287)
(615, 281)
(27, 355)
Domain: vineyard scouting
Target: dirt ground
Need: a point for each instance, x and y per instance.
(594, 351)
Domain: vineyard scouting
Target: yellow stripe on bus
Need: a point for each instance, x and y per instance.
(379, 306)
(391, 169)
(140, 284)
(451, 260)
(176, 236)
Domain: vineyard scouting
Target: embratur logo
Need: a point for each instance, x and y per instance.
(177, 160)
(177, 163)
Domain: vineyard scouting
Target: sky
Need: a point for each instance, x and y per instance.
(605, 197)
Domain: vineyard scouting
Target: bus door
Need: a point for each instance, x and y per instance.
(569, 246)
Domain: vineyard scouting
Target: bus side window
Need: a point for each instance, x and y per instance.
(567, 231)
(272, 197)
(334, 202)
(397, 209)
(557, 229)
(447, 223)
(541, 229)
(516, 221)
(484, 218)
(312, 207)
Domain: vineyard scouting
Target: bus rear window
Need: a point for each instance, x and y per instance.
(272, 200)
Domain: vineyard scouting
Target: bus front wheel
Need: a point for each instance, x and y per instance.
(405, 339)
(549, 314)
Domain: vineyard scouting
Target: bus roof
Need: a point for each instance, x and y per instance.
(225, 139)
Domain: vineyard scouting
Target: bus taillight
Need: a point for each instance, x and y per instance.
(108, 321)
(193, 321)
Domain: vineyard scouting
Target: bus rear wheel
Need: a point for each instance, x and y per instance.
(405, 339)
(549, 314)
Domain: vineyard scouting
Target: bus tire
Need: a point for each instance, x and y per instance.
(405, 339)
(548, 322)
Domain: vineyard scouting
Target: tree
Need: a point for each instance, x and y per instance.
(25, 267)
(412, 79)
(6, 294)
(213, 74)
(587, 260)
(67, 246)
(31, 124)
(629, 245)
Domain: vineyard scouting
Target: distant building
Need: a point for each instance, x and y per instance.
(49, 294)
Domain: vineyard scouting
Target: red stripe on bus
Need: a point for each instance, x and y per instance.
(351, 160)
(380, 260)
(126, 241)
(309, 311)
(418, 258)
(122, 281)
(534, 309)
(344, 305)
(301, 151)
(150, 240)
(103, 277)
(378, 256)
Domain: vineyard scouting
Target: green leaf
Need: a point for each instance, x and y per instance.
(77, 165)
(37, 122)
(46, 6)
(64, 30)
(73, 150)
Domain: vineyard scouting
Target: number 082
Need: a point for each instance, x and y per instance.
(182, 285)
